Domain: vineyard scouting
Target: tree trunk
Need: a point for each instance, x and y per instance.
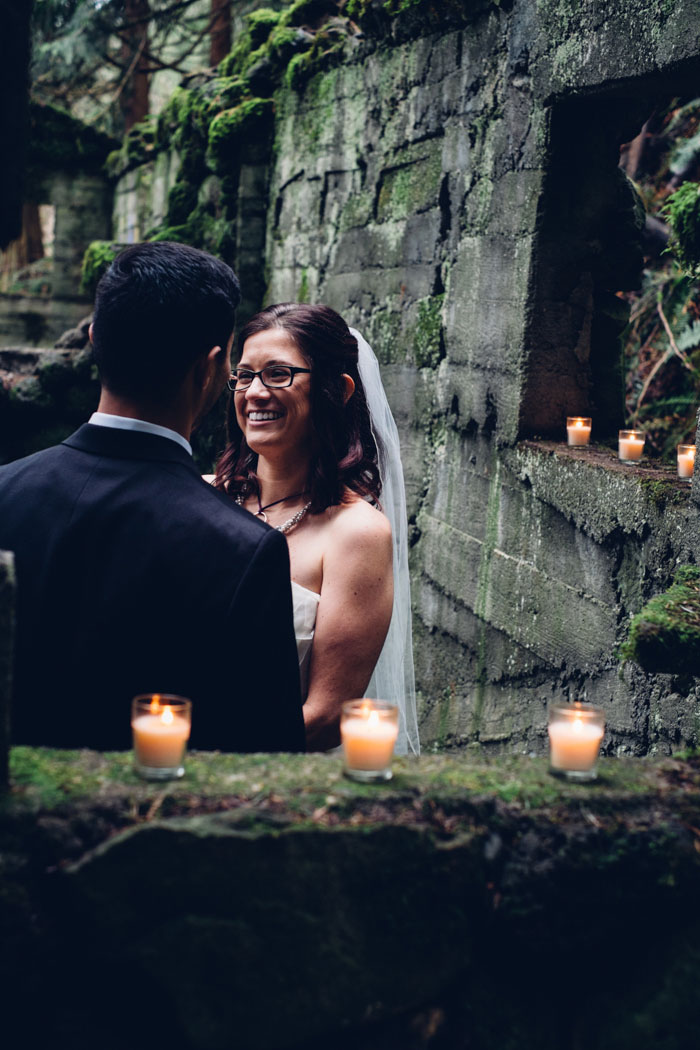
(134, 96)
(27, 248)
(220, 32)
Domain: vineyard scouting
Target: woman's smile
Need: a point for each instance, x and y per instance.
(256, 416)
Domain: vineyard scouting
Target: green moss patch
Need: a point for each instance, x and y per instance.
(428, 343)
(665, 636)
(229, 128)
(98, 257)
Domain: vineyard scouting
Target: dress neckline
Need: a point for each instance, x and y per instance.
(307, 590)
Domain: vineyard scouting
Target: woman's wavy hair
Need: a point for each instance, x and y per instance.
(344, 453)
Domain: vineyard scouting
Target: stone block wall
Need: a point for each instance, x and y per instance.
(452, 188)
(457, 198)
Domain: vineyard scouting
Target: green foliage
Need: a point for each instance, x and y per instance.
(97, 259)
(665, 636)
(682, 209)
(663, 383)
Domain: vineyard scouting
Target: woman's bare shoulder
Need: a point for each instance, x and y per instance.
(357, 519)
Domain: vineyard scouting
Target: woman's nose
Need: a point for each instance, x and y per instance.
(256, 388)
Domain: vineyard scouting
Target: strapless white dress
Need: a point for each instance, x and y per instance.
(305, 603)
(305, 608)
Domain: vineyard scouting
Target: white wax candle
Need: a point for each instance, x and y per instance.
(578, 433)
(686, 463)
(574, 744)
(631, 448)
(368, 743)
(159, 739)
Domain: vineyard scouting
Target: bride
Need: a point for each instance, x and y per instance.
(313, 450)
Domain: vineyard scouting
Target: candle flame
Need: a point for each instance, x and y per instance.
(577, 725)
(373, 719)
(155, 704)
(167, 717)
(578, 423)
(366, 709)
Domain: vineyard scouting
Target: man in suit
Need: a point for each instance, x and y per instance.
(134, 575)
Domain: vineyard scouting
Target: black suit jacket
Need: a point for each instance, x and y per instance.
(136, 576)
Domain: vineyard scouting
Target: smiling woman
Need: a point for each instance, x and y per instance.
(302, 455)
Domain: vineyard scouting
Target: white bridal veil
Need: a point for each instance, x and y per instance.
(393, 677)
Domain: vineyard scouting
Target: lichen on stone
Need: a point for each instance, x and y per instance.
(664, 637)
(428, 344)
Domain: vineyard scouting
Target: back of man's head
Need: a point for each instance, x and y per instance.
(159, 308)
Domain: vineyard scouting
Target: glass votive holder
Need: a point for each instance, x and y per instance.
(160, 725)
(578, 430)
(630, 445)
(368, 731)
(575, 734)
(686, 461)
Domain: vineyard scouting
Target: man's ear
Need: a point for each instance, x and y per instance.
(90, 331)
(349, 384)
(207, 366)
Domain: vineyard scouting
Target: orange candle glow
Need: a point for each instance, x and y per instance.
(368, 729)
(578, 430)
(161, 728)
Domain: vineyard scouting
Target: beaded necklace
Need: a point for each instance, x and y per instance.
(287, 525)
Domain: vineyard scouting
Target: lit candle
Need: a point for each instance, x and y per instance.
(575, 734)
(686, 461)
(578, 430)
(630, 445)
(160, 725)
(368, 730)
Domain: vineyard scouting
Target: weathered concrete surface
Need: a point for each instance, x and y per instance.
(470, 178)
(452, 188)
(82, 214)
(265, 902)
(45, 395)
(7, 635)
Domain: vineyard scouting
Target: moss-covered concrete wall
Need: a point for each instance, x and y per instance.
(448, 181)
(266, 903)
(457, 197)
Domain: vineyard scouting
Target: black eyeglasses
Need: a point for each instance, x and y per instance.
(274, 376)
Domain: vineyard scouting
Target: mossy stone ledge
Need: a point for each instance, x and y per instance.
(266, 902)
(664, 637)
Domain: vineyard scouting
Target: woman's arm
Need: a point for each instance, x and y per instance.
(352, 620)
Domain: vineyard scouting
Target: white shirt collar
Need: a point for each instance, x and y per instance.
(104, 419)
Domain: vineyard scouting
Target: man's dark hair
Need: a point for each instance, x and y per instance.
(158, 308)
(344, 452)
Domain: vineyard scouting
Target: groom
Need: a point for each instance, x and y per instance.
(133, 574)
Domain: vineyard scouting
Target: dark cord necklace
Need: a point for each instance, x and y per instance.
(274, 503)
(288, 525)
